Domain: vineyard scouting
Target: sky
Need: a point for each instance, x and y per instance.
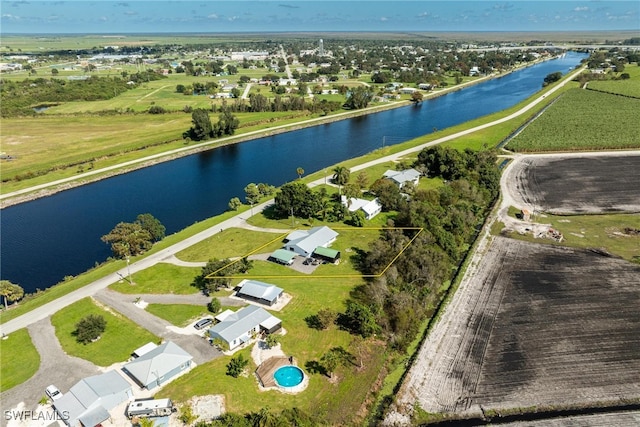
(177, 16)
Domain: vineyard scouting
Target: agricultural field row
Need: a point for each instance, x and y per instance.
(583, 120)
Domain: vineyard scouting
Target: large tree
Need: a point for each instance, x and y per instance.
(128, 239)
(10, 292)
(152, 225)
(297, 197)
(358, 97)
(202, 128)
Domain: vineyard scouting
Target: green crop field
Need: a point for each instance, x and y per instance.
(20, 359)
(583, 120)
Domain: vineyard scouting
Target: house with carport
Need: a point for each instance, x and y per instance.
(89, 401)
(158, 365)
(237, 328)
(305, 242)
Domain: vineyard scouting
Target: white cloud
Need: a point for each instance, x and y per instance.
(10, 17)
(212, 16)
(384, 18)
(581, 9)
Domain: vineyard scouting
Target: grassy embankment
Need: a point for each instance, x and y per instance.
(116, 344)
(20, 359)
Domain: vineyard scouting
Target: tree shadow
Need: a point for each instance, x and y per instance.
(313, 321)
(270, 212)
(315, 367)
(358, 259)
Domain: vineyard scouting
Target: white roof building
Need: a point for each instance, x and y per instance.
(402, 177)
(305, 242)
(238, 328)
(371, 208)
(263, 293)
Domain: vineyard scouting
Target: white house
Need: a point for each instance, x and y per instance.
(158, 365)
(89, 401)
(238, 328)
(371, 208)
(305, 242)
(402, 177)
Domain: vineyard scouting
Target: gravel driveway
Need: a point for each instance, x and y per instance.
(199, 348)
(56, 367)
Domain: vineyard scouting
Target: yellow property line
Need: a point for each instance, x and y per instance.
(337, 276)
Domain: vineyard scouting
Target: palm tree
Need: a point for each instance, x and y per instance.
(341, 175)
(300, 172)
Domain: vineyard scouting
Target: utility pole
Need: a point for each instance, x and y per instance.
(293, 225)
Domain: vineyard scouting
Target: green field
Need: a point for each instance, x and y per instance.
(162, 278)
(20, 359)
(583, 120)
(178, 314)
(232, 242)
(630, 87)
(116, 344)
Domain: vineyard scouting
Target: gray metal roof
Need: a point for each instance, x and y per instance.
(86, 399)
(316, 236)
(239, 323)
(401, 177)
(260, 290)
(158, 362)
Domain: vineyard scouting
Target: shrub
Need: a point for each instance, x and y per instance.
(236, 366)
(90, 328)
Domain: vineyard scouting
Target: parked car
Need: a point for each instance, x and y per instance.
(203, 323)
(53, 392)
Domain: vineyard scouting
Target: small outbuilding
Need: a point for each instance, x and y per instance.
(260, 292)
(283, 256)
(327, 254)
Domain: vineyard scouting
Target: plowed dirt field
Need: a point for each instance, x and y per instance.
(580, 185)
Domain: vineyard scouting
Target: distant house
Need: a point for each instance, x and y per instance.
(260, 292)
(402, 177)
(371, 208)
(408, 90)
(159, 365)
(425, 86)
(89, 401)
(305, 242)
(240, 327)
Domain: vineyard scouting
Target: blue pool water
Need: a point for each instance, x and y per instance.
(288, 376)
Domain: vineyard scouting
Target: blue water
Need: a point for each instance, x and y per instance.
(288, 376)
(47, 239)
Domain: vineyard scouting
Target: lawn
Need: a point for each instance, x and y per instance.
(120, 339)
(339, 402)
(178, 314)
(629, 87)
(20, 359)
(232, 242)
(162, 278)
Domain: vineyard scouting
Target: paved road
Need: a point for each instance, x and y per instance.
(56, 367)
(236, 221)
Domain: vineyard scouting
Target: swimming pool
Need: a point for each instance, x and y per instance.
(288, 376)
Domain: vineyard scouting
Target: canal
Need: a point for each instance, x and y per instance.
(47, 239)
